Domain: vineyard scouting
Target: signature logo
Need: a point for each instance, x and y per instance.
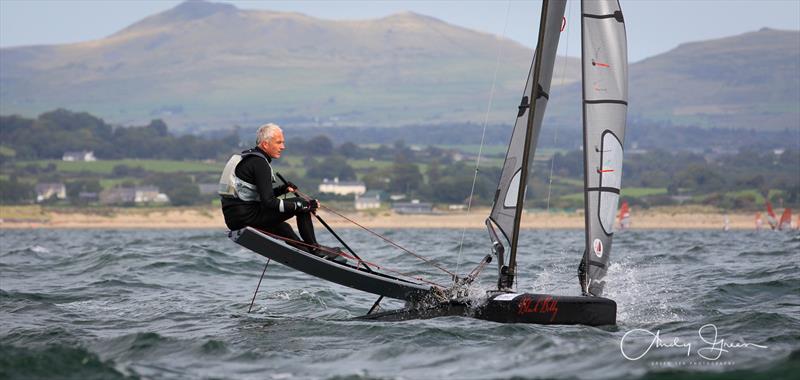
(635, 344)
(543, 305)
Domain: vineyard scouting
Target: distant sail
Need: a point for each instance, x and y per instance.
(772, 219)
(504, 209)
(624, 216)
(786, 220)
(605, 107)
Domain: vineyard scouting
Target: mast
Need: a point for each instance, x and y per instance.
(523, 182)
(604, 60)
(510, 195)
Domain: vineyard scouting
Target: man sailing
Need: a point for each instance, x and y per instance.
(249, 198)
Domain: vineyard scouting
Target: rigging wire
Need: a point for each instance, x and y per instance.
(483, 135)
(555, 131)
(332, 211)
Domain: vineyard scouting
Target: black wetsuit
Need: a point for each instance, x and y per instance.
(265, 214)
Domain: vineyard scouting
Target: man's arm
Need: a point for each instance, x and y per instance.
(262, 174)
(287, 187)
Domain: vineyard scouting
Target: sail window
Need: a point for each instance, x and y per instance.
(513, 191)
(610, 179)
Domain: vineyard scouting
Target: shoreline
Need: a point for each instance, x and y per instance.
(686, 217)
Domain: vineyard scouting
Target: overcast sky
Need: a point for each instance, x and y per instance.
(653, 26)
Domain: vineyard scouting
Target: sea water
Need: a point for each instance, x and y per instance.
(172, 304)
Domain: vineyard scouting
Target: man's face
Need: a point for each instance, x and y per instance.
(275, 146)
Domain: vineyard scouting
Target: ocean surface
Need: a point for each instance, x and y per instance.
(172, 304)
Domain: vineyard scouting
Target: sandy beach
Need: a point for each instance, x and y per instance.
(687, 217)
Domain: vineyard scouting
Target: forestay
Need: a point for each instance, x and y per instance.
(605, 107)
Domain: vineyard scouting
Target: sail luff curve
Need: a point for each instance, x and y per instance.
(504, 210)
(605, 105)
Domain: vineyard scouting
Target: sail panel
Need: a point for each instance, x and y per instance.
(505, 204)
(605, 104)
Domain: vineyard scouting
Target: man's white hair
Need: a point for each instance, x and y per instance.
(266, 132)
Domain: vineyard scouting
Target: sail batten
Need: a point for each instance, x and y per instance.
(605, 105)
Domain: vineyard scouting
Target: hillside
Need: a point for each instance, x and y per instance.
(749, 80)
(204, 65)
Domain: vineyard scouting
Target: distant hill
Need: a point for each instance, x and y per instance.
(750, 80)
(204, 65)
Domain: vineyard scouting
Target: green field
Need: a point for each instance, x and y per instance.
(636, 192)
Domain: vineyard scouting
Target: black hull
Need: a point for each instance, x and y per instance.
(542, 309)
(343, 274)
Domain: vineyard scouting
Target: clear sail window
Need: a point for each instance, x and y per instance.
(610, 178)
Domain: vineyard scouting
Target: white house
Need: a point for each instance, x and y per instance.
(370, 200)
(149, 194)
(138, 194)
(342, 187)
(45, 191)
(84, 155)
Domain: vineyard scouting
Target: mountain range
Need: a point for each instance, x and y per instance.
(203, 65)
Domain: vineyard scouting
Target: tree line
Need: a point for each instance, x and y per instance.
(427, 172)
(52, 133)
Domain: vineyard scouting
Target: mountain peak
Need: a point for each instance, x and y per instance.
(196, 9)
(410, 16)
(189, 10)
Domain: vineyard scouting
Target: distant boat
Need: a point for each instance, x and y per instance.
(785, 223)
(772, 219)
(624, 216)
(782, 224)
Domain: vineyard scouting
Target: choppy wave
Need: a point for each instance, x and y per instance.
(173, 305)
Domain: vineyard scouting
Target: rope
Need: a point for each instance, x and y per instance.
(555, 134)
(345, 255)
(332, 211)
(483, 135)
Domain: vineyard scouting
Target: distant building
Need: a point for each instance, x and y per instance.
(148, 194)
(83, 155)
(342, 187)
(138, 194)
(118, 195)
(45, 191)
(208, 188)
(369, 200)
(87, 196)
(413, 207)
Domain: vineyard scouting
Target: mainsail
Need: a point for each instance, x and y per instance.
(605, 105)
(510, 193)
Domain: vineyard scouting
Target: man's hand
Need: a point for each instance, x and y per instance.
(301, 205)
(291, 187)
(314, 205)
